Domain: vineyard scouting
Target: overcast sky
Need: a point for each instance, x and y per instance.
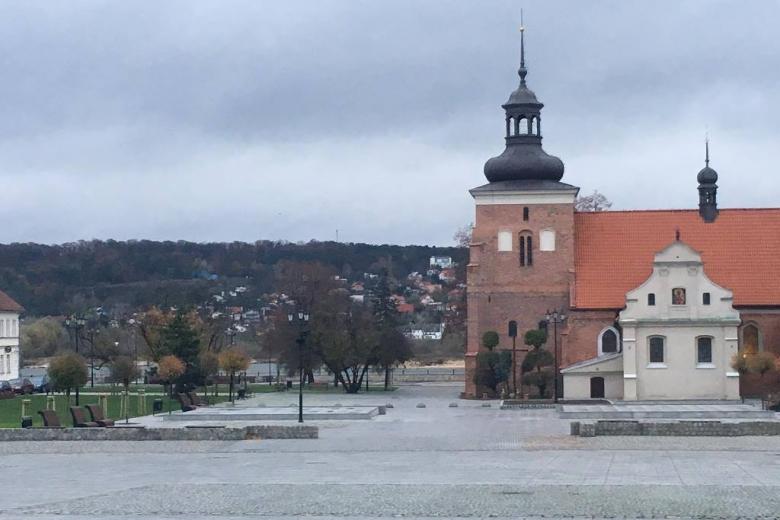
(265, 119)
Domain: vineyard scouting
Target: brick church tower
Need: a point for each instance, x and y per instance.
(521, 261)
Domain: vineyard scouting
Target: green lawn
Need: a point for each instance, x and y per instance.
(11, 409)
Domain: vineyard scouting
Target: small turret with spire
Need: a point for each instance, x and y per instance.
(708, 188)
(523, 159)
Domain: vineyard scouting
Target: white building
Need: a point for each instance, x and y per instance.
(9, 337)
(674, 339)
(441, 261)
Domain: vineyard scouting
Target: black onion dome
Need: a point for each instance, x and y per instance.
(524, 161)
(523, 96)
(707, 176)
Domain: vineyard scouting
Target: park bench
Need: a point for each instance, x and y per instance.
(184, 401)
(96, 411)
(195, 399)
(80, 418)
(50, 419)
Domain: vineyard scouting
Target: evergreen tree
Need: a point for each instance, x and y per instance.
(180, 339)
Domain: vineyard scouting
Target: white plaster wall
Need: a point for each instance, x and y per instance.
(680, 377)
(9, 346)
(577, 385)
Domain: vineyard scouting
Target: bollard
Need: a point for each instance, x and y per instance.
(141, 401)
(103, 402)
(25, 407)
(51, 403)
(123, 403)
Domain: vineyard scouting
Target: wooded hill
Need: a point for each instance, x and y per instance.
(123, 276)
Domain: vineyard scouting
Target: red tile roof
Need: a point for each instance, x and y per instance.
(614, 252)
(8, 304)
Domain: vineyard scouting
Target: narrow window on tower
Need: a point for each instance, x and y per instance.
(522, 250)
(525, 213)
(705, 298)
(651, 299)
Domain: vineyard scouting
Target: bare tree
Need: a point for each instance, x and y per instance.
(593, 202)
(462, 236)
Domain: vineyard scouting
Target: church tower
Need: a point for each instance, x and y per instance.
(521, 261)
(708, 188)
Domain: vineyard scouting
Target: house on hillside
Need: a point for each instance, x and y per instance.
(441, 261)
(9, 337)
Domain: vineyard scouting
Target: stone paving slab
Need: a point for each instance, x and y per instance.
(461, 500)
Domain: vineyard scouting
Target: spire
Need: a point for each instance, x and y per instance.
(708, 187)
(523, 159)
(522, 71)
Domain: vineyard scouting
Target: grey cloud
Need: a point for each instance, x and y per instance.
(246, 120)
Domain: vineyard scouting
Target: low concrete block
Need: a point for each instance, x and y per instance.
(486, 405)
(160, 434)
(575, 428)
(453, 405)
(685, 428)
(389, 405)
(420, 405)
(587, 430)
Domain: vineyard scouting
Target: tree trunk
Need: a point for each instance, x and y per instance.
(230, 392)
(387, 378)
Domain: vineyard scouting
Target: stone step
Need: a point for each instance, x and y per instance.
(667, 414)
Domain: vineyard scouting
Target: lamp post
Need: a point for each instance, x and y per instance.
(301, 318)
(555, 317)
(74, 324)
(92, 333)
(513, 334)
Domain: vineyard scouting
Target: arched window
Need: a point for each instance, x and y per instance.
(751, 338)
(704, 350)
(534, 126)
(609, 341)
(522, 126)
(526, 249)
(525, 213)
(651, 299)
(656, 352)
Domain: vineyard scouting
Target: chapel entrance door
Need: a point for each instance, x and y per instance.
(597, 387)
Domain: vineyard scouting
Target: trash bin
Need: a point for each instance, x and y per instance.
(157, 406)
(289, 384)
(26, 421)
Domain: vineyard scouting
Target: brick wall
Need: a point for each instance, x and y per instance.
(500, 289)
(581, 335)
(768, 323)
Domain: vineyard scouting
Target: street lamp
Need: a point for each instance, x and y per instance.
(74, 325)
(555, 317)
(513, 334)
(302, 320)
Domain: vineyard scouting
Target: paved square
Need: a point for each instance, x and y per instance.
(432, 462)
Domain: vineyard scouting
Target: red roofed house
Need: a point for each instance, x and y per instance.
(9, 337)
(655, 303)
